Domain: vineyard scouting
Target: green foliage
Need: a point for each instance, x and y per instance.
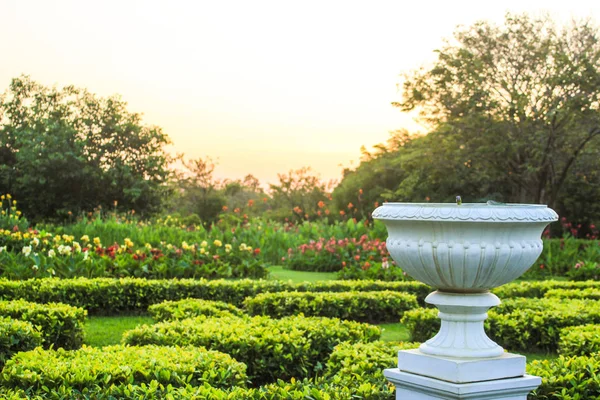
(67, 150)
(538, 289)
(579, 340)
(272, 349)
(88, 367)
(522, 131)
(61, 325)
(16, 336)
(103, 331)
(517, 324)
(567, 378)
(592, 293)
(373, 307)
(187, 308)
(114, 296)
(365, 362)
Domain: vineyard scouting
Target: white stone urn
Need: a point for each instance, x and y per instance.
(463, 251)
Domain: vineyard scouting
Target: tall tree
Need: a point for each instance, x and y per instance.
(67, 150)
(521, 100)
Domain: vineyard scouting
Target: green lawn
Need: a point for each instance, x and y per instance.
(104, 331)
(280, 273)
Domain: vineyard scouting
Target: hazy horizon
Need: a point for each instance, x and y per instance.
(260, 87)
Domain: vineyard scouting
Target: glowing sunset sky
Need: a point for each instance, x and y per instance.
(262, 87)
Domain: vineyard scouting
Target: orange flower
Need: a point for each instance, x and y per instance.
(342, 212)
(321, 204)
(350, 205)
(236, 210)
(225, 208)
(326, 212)
(360, 191)
(250, 203)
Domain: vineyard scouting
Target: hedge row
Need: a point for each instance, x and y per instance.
(579, 340)
(61, 325)
(353, 371)
(188, 308)
(87, 367)
(17, 336)
(295, 390)
(536, 289)
(373, 307)
(567, 378)
(518, 324)
(292, 347)
(112, 296)
(589, 293)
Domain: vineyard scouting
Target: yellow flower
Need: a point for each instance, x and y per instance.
(97, 242)
(202, 250)
(2, 197)
(185, 246)
(26, 235)
(170, 246)
(243, 246)
(56, 238)
(227, 248)
(85, 238)
(8, 196)
(128, 242)
(218, 243)
(3, 212)
(148, 246)
(203, 244)
(19, 213)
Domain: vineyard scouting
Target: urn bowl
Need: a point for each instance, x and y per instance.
(465, 248)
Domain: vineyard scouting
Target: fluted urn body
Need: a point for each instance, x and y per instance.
(464, 251)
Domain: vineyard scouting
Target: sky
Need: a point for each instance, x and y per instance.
(261, 87)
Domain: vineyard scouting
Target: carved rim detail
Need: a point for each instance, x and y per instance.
(476, 212)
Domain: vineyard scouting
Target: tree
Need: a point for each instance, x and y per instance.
(521, 101)
(67, 150)
(297, 195)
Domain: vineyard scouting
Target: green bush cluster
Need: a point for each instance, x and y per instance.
(61, 325)
(589, 293)
(517, 324)
(272, 349)
(17, 336)
(293, 390)
(188, 308)
(113, 296)
(579, 340)
(567, 378)
(534, 289)
(373, 307)
(88, 367)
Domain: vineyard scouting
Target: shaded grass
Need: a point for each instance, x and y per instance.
(105, 331)
(279, 273)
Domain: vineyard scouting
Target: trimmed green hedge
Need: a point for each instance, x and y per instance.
(567, 378)
(538, 289)
(109, 296)
(188, 308)
(16, 336)
(296, 390)
(61, 325)
(40, 370)
(517, 324)
(589, 293)
(373, 307)
(579, 340)
(272, 349)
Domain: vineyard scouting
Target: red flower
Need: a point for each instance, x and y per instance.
(257, 251)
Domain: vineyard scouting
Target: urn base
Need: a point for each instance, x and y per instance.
(417, 387)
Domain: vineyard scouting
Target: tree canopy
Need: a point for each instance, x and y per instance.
(67, 151)
(513, 114)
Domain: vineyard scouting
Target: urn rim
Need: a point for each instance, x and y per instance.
(466, 212)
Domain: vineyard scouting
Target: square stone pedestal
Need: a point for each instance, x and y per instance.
(421, 376)
(416, 387)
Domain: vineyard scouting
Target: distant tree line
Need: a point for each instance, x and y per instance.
(512, 114)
